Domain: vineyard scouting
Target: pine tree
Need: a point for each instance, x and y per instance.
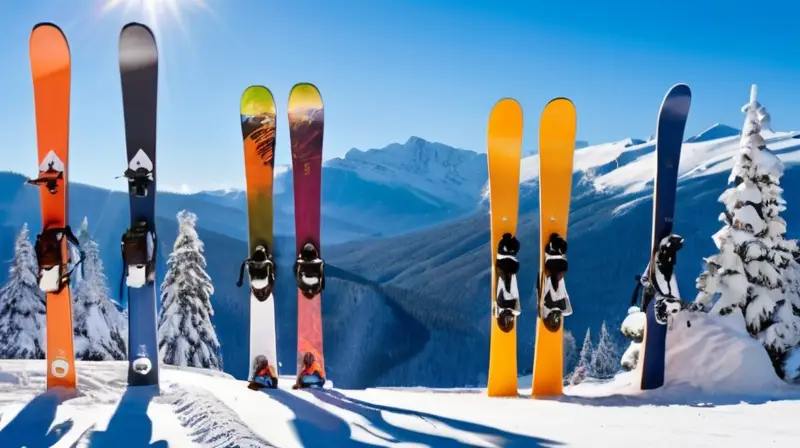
(186, 336)
(570, 350)
(605, 355)
(583, 368)
(98, 328)
(747, 274)
(22, 305)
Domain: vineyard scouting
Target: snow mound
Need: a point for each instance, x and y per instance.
(709, 353)
(633, 325)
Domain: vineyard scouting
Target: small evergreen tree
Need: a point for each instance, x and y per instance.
(583, 368)
(186, 336)
(570, 350)
(98, 328)
(604, 358)
(748, 272)
(22, 305)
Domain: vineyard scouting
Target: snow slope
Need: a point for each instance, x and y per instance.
(628, 165)
(720, 391)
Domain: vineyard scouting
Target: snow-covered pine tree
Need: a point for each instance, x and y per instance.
(570, 350)
(604, 356)
(583, 368)
(186, 336)
(22, 305)
(99, 333)
(747, 274)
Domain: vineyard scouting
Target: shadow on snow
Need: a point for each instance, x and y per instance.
(31, 426)
(315, 426)
(130, 425)
(372, 413)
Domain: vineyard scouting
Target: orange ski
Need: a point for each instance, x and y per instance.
(504, 150)
(50, 65)
(557, 130)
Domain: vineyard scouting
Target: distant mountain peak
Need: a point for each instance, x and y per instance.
(715, 132)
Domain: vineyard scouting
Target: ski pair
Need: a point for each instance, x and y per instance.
(306, 125)
(51, 69)
(558, 126)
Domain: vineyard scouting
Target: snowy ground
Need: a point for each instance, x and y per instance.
(720, 391)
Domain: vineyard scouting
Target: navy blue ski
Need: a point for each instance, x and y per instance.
(138, 64)
(669, 138)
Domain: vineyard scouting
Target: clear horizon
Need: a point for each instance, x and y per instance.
(388, 71)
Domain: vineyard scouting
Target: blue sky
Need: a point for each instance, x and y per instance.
(391, 69)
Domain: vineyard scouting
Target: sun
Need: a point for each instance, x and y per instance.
(155, 11)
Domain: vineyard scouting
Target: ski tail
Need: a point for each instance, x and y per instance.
(504, 151)
(306, 129)
(670, 128)
(557, 132)
(51, 69)
(257, 114)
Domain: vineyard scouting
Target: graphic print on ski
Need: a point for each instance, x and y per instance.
(504, 151)
(257, 115)
(669, 137)
(138, 65)
(557, 130)
(306, 126)
(51, 69)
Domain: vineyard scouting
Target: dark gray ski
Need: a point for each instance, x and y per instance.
(138, 65)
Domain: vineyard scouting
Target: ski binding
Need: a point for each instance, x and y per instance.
(309, 272)
(506, 307)
(138, 251)
(555, 303)
(260, 272)
(49, 253)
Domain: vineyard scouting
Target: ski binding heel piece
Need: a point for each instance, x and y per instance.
(260, 272)
(138, 248)
(309, 272)
(50, 279)
(49, 253)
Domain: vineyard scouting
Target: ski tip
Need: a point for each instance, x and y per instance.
(257, 100)
(136, 25)
(304, 87)
(48, 47)
(563, 105)
(42, 25)
(560, 99)
(507, 102)
(137, 47)
(506, 108)
(680, 89)
(138, 34)
(305, 95)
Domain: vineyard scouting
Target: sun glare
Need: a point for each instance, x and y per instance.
(156, 11)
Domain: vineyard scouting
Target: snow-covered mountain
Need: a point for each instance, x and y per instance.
(435, 172)
(708, 400)
(386, 191)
